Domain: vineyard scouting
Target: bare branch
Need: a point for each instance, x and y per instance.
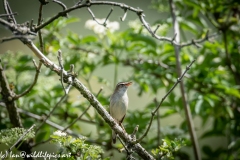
(154, 112)
(31, 24)
(124, 16)
(22, 30)
(94, 102)
(198, 41)
(9, 12)
(125, 7)
(7, 97)
(158, 123)
(104, 24)
(90, 3)
(188, 114)
(60, 61)
(5, 15)
(50, 123)
(43, 2)
(34, 81)
(39, 22)
(13, 38)
(156, 29)
(62, 5)
(94, 18)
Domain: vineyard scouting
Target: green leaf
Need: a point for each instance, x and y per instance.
(89, 39)
(198, 106)
(146, 39)
(233, 92)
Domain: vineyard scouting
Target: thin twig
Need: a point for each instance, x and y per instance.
(186, 107)
(5, 15)
(154, 112)
(38, 70)
(24, 134)
(39, 32)
(72, 75)
(94, 18)
(94, 102)
(122, 144)
(22, 30)
(60, 61)
(31, 24)
(156, 29)
(158, 124)
(13, 37)
(11, 14)
(124, 16)
(129, 152)
(58, 103)
(104, 24)
(62, 5)
(80, 116)
(125, 7)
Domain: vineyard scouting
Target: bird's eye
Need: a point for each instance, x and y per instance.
(121, 85)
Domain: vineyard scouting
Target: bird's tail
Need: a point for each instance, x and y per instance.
(114, 137)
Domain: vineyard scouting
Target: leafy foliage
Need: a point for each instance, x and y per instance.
(10, 136)
(168, 148)
(76, 147)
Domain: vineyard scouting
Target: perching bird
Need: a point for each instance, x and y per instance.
(119, 104)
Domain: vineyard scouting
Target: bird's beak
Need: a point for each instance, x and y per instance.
(128, 83)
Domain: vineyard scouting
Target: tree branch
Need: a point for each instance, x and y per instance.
(34, 81)
(154, 112)
(182, 89)
(51, 112)
(7, 96)
(93, 101)
(125, 7)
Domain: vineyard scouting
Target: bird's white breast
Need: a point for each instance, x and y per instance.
(118, 106)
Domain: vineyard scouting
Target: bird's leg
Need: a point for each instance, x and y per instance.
(120, 124)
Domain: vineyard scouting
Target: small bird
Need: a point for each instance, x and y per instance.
(119, 104)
